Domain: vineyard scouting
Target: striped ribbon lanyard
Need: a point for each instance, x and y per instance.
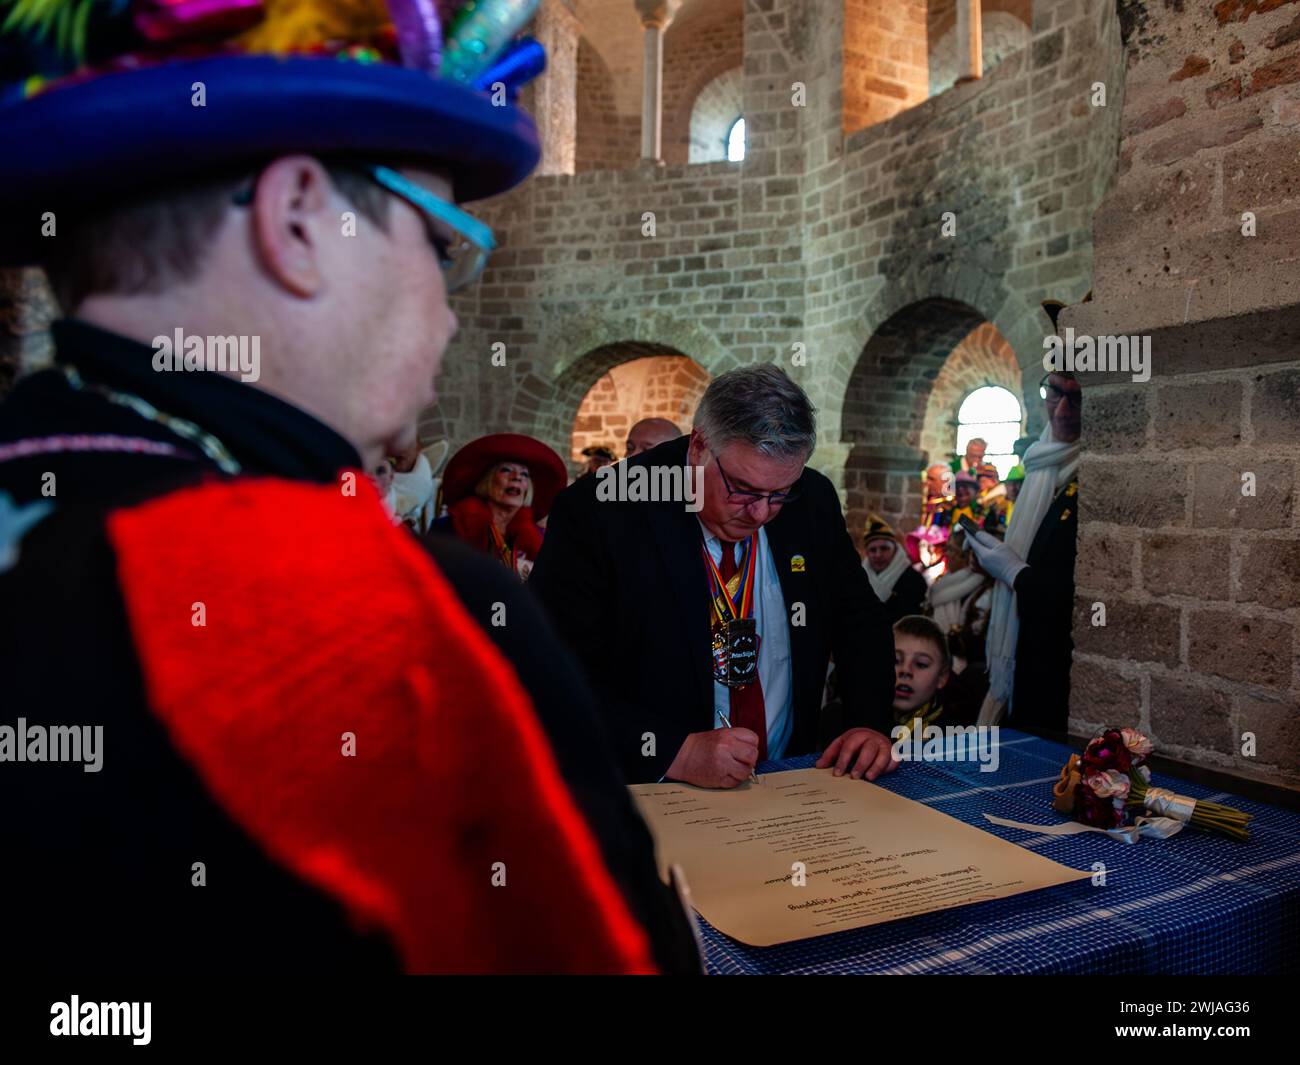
(743, 604)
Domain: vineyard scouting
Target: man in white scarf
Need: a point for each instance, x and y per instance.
(1029, 643)
(952, 595)
(889, 569)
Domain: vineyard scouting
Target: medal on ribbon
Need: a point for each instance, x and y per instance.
(735, 631)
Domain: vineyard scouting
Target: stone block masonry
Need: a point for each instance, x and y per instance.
(1190, 481)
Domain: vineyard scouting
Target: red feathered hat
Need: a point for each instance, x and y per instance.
(469, 464)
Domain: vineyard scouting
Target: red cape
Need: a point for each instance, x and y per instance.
(328, 630)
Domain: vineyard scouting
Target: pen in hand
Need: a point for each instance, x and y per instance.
(727, 721)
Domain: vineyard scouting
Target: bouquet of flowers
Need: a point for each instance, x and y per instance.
(1110, 779)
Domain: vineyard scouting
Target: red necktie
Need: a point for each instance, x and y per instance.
(747, 709)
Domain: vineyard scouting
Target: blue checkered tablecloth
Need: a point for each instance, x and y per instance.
(1192, 904)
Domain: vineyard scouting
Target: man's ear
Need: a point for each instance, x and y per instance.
(944, 677)
(695, 448)
(292, 212)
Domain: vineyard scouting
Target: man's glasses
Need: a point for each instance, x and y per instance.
(462, 243)
(1054, 395)
(747, 498)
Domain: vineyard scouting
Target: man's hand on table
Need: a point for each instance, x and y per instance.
(720, 758)
(866, 750)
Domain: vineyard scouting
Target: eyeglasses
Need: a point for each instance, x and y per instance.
(1054, 395)
(464, 252)
(748, 499)
(462, 243)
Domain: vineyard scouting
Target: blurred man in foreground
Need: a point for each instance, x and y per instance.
(317, 754)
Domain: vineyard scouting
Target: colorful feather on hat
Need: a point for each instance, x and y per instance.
(298, 25)
(64, 22)
(466, 41)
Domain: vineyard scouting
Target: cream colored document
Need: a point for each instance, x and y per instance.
(806, 853)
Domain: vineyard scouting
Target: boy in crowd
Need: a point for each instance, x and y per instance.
(925, 686)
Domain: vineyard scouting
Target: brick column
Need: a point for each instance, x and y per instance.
(656, 16)
(555, 93)
(1189, 525)
(970, 54)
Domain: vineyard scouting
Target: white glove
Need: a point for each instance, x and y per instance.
(995, 558)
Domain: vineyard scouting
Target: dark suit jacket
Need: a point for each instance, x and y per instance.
(625, 583)
(908, 596)
(1045, 597)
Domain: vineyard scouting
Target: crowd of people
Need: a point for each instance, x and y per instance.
(931, 582)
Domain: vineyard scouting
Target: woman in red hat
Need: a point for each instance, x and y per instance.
(497, 488)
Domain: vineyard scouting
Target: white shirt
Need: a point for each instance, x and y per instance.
(775, 669)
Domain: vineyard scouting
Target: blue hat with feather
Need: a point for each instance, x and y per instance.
(101, 99)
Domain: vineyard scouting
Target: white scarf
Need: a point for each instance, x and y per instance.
(884, 581)
(411, 494)
(1049, 467)
(948, 593)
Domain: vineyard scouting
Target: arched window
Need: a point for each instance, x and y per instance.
(991, 412)
(736, 140)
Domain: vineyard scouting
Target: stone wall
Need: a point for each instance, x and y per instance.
(607, 138)
(1190, 528)
(885, 64)
(983, 357)
(1015, 165)
(713, 116)
(657, 386)
(1001, 34)
(811, 246)
(696, 52)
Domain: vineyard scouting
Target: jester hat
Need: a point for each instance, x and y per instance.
(100, 100)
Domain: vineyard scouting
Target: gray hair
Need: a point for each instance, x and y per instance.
(758, 405)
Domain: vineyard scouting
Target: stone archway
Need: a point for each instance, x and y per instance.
(1001, 33)
(713, 111)
(640, 381)
(983, 357)
(885, 403)
(581, 348)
